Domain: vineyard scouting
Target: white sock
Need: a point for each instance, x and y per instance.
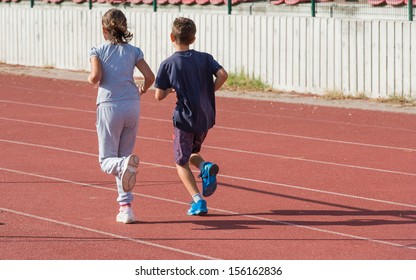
(197, 197)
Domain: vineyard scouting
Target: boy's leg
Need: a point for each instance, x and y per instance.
(208, 170)
(183, 146)
(197, 160)
(208, 174)
(187, 178)
(199, 205)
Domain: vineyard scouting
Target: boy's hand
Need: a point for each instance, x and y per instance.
(161, 94)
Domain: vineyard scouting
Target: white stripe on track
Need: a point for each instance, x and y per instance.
(312, 161)
(47, 106)
(29, 90)
(229, 150)
(318, 120)
(235, 129)
(229, 177)
(317, 139)
(356, 237)
(176, 250)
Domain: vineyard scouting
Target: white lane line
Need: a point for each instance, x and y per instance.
(317, 139)
(47, 106)
(229, 176)
(317, 120)
(176, 250)
(235, 129)
(228, 149)
(312, 161)
(356, 237)
(246, 113)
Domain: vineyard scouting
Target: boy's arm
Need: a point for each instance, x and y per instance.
(95, 74)
(221, 77)
(160, 94)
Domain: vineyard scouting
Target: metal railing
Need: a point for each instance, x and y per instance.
(317, 7)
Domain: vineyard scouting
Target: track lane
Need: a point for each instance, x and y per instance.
(273, 215)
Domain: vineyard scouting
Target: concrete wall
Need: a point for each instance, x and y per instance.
(303, 54)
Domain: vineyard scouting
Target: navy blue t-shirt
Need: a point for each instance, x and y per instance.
(191, 74)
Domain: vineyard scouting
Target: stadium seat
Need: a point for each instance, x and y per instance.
(221, 2)
(295, 2)
(53, 1)
(395, 2)
(188, 2)
(377, 2)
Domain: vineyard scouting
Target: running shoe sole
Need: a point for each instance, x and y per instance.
(128, 177)
(211, 187)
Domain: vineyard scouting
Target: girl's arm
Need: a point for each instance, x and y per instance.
(95, 74)
(148, 75)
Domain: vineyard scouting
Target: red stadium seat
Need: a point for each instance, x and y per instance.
(395, 2)
(377, 2)
(221, 2)
(277, 2)
(53, 1)
(295, 2)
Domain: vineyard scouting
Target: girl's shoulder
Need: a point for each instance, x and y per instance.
(101, 47)
(131, 48)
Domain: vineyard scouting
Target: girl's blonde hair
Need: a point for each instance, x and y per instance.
(115, 22)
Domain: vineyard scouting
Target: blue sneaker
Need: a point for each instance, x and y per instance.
(199, 208)
(209, 178)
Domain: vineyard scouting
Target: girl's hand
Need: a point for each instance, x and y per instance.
(141, 89)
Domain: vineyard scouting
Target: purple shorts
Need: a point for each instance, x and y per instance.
(186, 143)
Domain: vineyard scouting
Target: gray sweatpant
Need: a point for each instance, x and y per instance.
(117, 125)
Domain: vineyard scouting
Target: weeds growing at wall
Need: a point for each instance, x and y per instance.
(241, 82)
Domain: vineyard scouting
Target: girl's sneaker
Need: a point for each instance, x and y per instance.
(209, 178)
(125, 215)
(198, 208)
(128, 176)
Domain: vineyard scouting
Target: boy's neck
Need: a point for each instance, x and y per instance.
(180, 47)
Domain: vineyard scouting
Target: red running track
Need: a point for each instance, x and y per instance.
(296, 182)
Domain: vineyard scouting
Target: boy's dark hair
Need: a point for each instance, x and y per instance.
(183, 30)
(115, 22)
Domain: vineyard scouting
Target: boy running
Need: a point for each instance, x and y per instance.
(190, 75)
